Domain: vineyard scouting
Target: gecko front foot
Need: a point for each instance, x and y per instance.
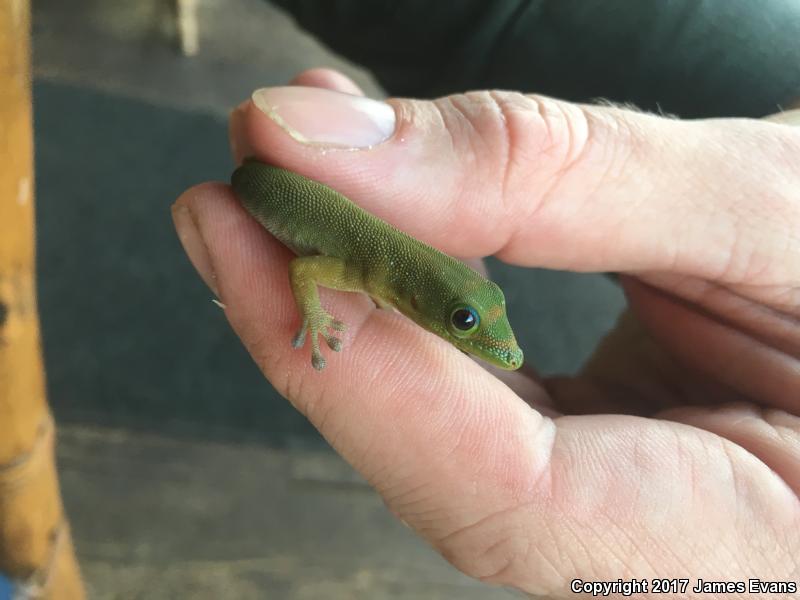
(317, 325)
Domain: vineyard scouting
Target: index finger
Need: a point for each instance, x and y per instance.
(396, 400)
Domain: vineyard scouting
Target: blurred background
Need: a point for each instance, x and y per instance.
(184, 474)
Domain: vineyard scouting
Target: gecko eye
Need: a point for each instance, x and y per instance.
(465, 320)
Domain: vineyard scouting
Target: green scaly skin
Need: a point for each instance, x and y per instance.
(341, 246)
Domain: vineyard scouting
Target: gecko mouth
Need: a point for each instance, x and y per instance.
(508, 356)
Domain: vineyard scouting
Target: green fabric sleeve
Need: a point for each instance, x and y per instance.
(693, 58)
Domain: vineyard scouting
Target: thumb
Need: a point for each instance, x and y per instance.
(548, 183)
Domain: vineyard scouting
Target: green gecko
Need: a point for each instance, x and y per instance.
(341, 246)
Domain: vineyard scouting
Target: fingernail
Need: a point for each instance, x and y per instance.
(194, 245)
(327, 118)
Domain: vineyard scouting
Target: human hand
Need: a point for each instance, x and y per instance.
(699, 473)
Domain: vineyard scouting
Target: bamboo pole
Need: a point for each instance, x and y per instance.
(35, 544)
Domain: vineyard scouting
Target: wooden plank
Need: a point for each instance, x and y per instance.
(35, 545)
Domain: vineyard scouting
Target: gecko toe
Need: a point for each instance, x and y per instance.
(315, 327)
(317, 361)
(300, 337)
(334, 343)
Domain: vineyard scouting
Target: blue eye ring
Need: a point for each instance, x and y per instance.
(464, 320)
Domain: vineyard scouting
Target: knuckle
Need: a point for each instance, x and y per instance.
(517, 146)
(494, 550)
(766, 208)
(521, 136)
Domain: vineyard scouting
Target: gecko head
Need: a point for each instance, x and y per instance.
(476, 322)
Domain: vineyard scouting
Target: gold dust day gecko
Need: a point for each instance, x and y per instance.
(341, 246)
